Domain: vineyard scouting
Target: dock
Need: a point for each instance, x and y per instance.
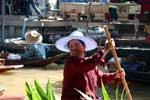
(14, 25)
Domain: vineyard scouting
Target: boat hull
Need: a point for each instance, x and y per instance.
(35, 63)
(143, 77)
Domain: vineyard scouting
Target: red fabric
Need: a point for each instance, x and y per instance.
(145, 7)
(83, 74)
(147, 39)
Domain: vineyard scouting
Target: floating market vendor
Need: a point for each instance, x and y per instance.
(35, 49)
(81, 72)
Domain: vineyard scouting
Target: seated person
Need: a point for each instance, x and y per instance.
(34, 50)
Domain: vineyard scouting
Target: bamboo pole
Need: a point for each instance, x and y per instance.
(118, 66)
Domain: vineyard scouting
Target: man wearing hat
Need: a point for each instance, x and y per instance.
(81, 72)
(36, 49)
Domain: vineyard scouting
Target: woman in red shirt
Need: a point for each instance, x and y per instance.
(81, 72)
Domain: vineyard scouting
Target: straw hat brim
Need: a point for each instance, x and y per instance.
(62, 44)
(30, 39)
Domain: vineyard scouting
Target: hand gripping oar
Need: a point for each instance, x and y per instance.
(118, 66)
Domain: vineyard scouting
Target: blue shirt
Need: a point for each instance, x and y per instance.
(36, 51)
(104, 1)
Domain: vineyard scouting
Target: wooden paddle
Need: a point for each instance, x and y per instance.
(4, 68)
(118, 66)
(45, 61)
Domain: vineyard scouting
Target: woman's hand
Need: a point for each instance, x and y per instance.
(109, 45)
(119, 74)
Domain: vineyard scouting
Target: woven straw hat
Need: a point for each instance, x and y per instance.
(33, 37)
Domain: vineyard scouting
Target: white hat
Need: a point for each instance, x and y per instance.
(33, 37)
(62, 44)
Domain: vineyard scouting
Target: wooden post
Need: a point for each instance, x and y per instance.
(88, 17)
(78, 15)
(3, 20)
(117, 63)
(64, 14)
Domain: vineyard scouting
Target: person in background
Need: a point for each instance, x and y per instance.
(112, 10)
(81, 72)
(35, 49)
(32, 3)
(113, 13)
(19, 7)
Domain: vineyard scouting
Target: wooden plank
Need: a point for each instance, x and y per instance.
(83, 24)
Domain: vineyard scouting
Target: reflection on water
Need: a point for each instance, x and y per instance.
(14, 82)
(138, 91)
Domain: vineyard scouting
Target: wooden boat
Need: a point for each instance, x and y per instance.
(19, 45)
(138, 76)
(137, 67)
(5, 68)
(35, 63)
(132, 74)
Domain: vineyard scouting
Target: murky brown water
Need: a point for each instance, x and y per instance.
(138, 91)
(14, 82)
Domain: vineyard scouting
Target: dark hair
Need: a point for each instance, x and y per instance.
(79, 41)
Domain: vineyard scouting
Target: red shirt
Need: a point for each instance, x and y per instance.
(83, 74)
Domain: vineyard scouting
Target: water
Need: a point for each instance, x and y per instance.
(138, 91)
(14, 82)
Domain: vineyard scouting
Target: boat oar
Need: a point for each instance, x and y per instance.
(45, 61)
(17, 44)
(118, 66)
(4, 68)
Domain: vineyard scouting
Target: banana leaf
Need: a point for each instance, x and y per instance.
(40, 90)
(104, 92)
(49, 91)
(28, 90)
(116, 93)
(35, 95)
